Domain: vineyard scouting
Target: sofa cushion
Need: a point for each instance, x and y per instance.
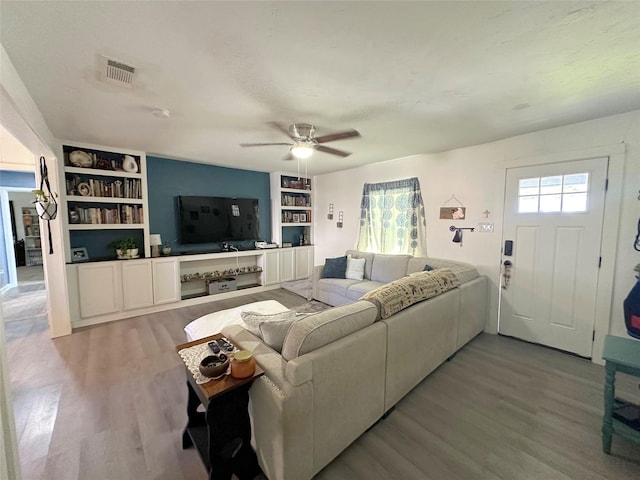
(387, 268)
(314, 331)
(253, 320)
(357, 290)
(368, 257)
(355, 268)
(273, 333)
(402, 293)
(335, 285)
(334, 267)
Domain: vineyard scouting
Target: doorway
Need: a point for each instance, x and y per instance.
(24, 293)
(551, 255)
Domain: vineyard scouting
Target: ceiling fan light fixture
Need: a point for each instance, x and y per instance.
(301, 150)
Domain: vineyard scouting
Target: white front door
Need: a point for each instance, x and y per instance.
(553, 219)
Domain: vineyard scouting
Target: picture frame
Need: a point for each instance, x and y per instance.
(303, 218)
(453, 213)
(296, 218)
(79, 254)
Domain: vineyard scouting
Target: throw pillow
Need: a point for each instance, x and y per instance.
(253, 320)
(355, 268)
(334, 267)
(274, 333)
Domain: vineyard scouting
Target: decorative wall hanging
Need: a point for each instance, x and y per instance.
(453, 212)
(45, 201)
(457, 237)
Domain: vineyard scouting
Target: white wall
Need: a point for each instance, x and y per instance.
(476, 176)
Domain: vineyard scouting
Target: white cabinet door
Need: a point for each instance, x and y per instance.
(137, 284)
(270, 267)
(304, 262)
(99, 287)
(166, 281)
(287, 264)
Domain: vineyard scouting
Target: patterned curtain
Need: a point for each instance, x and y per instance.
(392, 218)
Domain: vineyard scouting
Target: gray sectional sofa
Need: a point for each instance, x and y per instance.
(342, 369)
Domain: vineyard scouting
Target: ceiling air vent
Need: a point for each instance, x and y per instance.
(118, 73)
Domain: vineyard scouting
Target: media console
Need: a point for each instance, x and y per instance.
(111, 290)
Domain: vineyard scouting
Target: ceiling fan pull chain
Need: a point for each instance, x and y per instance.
(298, 169)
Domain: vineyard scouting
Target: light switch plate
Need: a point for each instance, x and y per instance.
(484, 227)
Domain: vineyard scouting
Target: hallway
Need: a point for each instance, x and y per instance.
(24, 307)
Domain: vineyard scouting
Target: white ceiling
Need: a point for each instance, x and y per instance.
(411, 77)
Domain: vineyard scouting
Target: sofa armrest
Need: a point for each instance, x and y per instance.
(284, 375)
(282, 426)
(316, 275)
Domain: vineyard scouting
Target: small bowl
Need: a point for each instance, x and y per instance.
(212, 366)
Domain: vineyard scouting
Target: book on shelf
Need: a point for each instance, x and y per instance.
(121, 214)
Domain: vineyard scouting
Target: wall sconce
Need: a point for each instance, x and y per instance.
(339, 224)
(457, 237)
(330, 214)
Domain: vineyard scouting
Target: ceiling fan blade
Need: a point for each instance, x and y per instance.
(282, 128)
(262, 144)
(337, 136)
(332, 151)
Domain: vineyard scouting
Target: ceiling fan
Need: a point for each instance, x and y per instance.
(305, 142)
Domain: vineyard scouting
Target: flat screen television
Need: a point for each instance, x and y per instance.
(218, 219)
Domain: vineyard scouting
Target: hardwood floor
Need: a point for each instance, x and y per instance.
(109, 402)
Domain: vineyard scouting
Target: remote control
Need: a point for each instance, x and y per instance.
(225, 345)
(214, 347)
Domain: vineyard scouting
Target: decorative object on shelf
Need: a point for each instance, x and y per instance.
(457, 237)
(45, 202)
(303, 218)
(166, 248)
(330, 214)
(84, 189)
(155, 241)
(125, 248)
(129, 164)
(452, 212)
(78, 158)
(79, 254)
(339, 223)
(296, 218)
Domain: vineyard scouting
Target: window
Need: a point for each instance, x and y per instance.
(559, 193)
(392, 218)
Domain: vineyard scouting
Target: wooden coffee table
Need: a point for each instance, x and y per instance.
(216, 431)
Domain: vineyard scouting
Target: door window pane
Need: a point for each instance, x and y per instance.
(577, 182)
(551, 185)
(528, 204)
(574, 202)
(550, 203)
(529, 186)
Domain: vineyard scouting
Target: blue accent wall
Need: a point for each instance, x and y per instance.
(167, 179)
(17, 179)
(11, 179)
